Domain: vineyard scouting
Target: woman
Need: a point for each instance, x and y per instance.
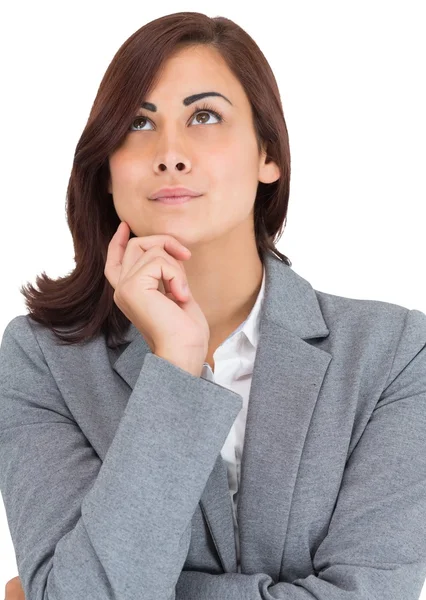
(127, 400)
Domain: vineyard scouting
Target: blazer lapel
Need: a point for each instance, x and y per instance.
(287, 376)
(286, 380)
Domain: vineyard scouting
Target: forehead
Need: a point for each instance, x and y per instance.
(192, 70)
(198, 57)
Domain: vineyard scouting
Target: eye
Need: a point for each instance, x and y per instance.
(198, 110)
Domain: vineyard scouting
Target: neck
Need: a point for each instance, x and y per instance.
(225, 280)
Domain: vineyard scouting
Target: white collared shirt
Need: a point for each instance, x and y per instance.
(233, 368)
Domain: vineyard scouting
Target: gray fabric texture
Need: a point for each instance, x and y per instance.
(114, 487)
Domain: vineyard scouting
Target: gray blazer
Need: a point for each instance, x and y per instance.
(114, 485)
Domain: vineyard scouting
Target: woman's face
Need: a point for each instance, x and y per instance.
(219, 159)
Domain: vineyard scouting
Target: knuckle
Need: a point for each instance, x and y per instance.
(165, 260)
(154, 250)
(135, 241)
(158, 257)
(171, 238)
(119, 294)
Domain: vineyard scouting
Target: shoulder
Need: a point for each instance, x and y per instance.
(24, 335)
(24, 327)
(375, 315)
(388, 335)
(19, 333)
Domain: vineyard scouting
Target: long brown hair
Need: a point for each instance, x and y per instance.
(82, 302)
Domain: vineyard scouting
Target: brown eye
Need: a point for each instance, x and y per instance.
(206, 116)
(139, 119)
(199, 110)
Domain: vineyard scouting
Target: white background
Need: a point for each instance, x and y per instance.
(352, 83)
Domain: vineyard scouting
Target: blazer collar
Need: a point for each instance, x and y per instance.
(287, 376)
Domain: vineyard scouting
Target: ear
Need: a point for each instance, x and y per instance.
(269, 171)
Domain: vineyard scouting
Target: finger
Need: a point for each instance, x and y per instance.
(147, 257)
(138, 246)
(116, 249)
(153, 270)
(122, 252)
(172, 284)
(174, 281)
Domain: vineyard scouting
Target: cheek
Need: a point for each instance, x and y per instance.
(126, 168)
(224, 164)
(235, 169)
(234, 177)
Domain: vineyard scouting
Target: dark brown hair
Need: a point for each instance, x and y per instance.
(82, 301)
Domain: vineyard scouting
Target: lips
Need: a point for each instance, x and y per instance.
(174, 199)
(171, 192)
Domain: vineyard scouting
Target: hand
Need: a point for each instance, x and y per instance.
(171, 321)
(13, 590)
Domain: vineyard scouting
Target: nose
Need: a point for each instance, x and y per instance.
(179, 166)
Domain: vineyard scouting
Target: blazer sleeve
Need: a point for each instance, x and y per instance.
(375, 547)
(113, 530)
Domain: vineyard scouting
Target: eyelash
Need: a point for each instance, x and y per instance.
(198, 108)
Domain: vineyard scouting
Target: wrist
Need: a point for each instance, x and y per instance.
(186, 363)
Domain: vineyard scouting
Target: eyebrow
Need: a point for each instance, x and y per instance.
(188, 100)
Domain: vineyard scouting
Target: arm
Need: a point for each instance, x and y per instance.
(375, 547)
(112, 530)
